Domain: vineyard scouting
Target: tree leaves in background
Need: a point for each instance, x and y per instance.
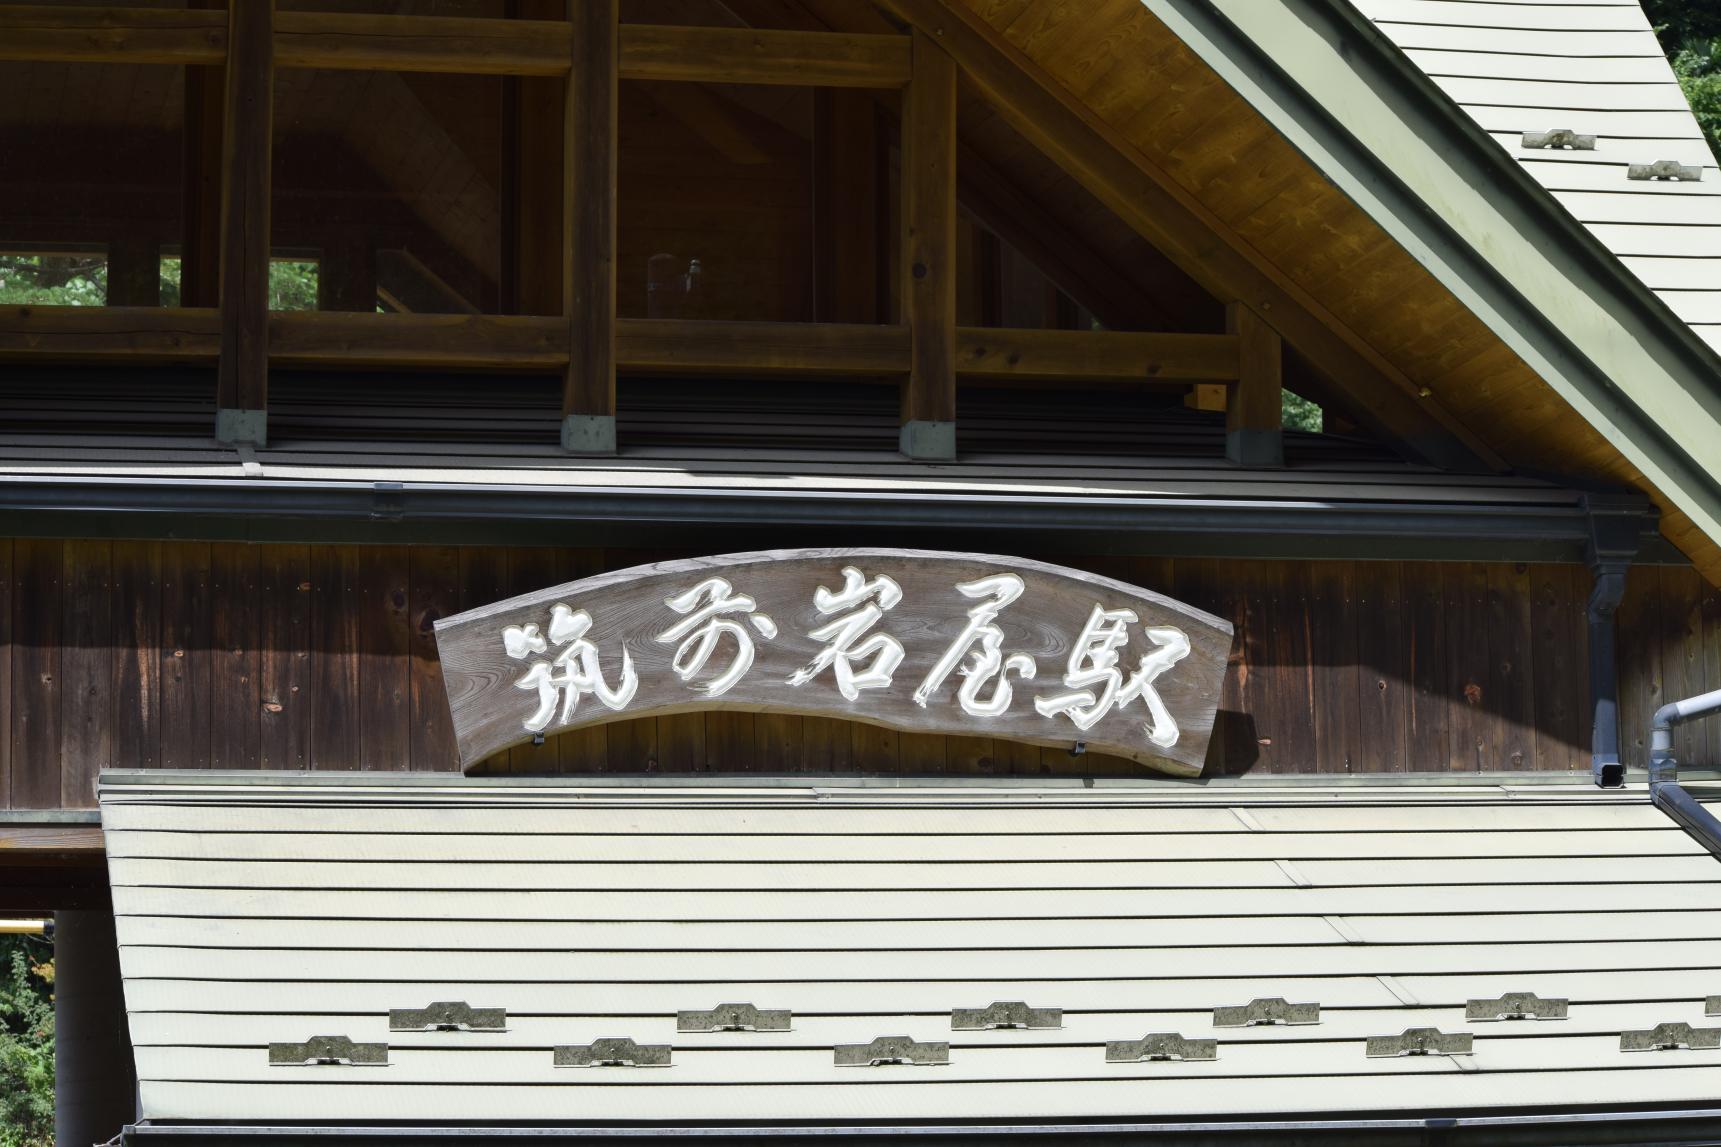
(1690, 34)
(26, 1042)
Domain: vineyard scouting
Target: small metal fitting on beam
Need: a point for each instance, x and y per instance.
(448, 1016)
(732, 1018)
(1161, 1045)
(1563, 138)
(1005, 1014)
(1664, 169)
(1515, 1006)
(1272, 1010)
(891, 1049)
(328, 1051)
(1419, 1041)
(613, 1052)
(1668, 1037)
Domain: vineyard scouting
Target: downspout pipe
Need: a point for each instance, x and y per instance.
(1664, 787)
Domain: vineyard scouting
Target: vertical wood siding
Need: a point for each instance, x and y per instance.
(232, 656)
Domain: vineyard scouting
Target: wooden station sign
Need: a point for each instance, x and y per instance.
(920, 641)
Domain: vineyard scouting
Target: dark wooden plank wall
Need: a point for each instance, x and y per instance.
(233, 656)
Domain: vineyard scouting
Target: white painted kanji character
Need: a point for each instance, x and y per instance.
(1093, 663)
(844, 646)
(572, 673)
(704, 624)
(997, 592)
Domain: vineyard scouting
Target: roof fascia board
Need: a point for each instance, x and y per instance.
(1458, 204)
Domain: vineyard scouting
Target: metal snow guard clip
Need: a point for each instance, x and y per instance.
(1271, 1010)
(1667, 1037)
(1161, 1045)
(1420, 1041)
(613, 1053)
(326, 1050)
(448, 1016)
(888, 1049)
(1005, 1014)
(1515, 1006)
(1560, 137)
(732, 1018)
(1664, 169)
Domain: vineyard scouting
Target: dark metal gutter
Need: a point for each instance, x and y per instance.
(1541, 1129)
(266, 510)
(1534, 210)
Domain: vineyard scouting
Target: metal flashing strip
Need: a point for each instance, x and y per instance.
(262, 509)
(1660, 1127)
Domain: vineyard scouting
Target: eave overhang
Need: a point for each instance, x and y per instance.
(1431, 178)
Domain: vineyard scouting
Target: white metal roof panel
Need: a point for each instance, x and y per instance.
(1597, 69)
(253, 913)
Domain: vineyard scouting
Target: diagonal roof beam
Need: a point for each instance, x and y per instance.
(1147, 197)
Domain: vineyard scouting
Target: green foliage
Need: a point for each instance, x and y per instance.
(82, 281)
(1299, 413)
(1690, 34)
(26, 1042)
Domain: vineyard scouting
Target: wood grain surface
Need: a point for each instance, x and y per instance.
(929, 614)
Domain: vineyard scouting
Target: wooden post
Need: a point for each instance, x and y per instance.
(1254, 434)
(346, 272)
(134, 272)
(532, 181)
(200, 244)
(242, 379)
(845, 206)
(589, 228)
(929, 253)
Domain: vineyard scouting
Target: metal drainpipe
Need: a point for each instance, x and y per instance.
(1664, 788)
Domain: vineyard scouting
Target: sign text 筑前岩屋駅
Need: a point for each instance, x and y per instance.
(920, 641)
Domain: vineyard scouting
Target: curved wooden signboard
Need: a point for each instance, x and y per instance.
(920, 641)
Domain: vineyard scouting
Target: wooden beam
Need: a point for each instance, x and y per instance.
(763, 56)
(589, 228)
(430, 342)
(360, 41)
(643, 346)
(242, 377)
(75, 35)
(688, 346)
(109, 334)
(1169, 216)
(929, 252)
(1094, 356)
(50, 844)
(1254, 434)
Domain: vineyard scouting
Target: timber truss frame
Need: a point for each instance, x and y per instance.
(936, 44)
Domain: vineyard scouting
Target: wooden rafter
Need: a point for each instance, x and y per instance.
(1162, 211)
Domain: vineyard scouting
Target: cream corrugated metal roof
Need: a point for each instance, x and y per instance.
(1595, 67)
(250, 914)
